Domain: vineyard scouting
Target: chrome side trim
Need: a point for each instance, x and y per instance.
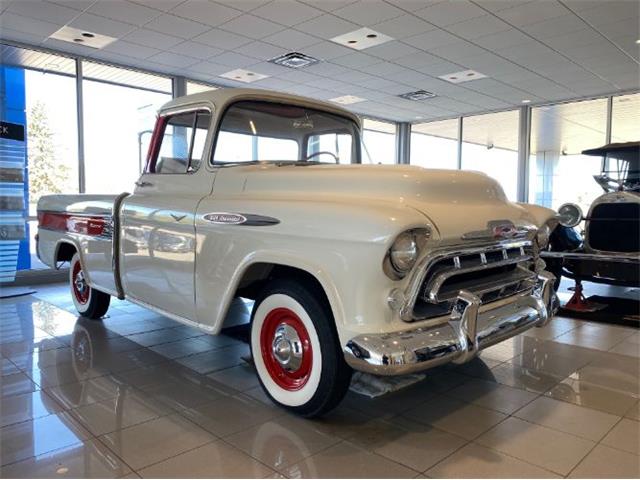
(470, 328)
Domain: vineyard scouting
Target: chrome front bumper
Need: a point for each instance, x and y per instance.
(470, 328)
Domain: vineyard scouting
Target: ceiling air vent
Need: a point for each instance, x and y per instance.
(294, 60)
(417, 96)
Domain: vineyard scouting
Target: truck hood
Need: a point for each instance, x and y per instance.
(456, 202)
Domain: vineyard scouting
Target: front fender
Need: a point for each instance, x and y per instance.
(539, 214)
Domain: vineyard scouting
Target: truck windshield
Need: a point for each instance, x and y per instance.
(256, 131)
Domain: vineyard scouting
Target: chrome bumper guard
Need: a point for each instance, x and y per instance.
(470, 328)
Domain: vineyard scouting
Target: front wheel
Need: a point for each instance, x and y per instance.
(89, 302)
(296, 350)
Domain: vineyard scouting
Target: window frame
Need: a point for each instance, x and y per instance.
(157, 137)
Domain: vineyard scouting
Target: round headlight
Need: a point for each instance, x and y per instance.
(404, 252)
(569, 215)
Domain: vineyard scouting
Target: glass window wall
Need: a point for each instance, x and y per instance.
(558, 172)
(118, 123)
(490, 145)
(435, 144)
(379, 139)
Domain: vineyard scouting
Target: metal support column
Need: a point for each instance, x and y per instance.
(524, 134)
(80, 119)
(460, 143)
(179, 87)
(403, 143)
(605, 160)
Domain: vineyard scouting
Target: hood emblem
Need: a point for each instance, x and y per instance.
(497, 230)
(504, 231)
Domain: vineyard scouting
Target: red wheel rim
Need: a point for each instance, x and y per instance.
(286, 349)
(80, 288)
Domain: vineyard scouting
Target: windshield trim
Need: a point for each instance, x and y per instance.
(221, 113)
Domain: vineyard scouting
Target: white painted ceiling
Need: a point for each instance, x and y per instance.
(539, 50)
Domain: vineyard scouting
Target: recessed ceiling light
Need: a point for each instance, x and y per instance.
(87, 39)
(361, 39)
(464, 76)
(526, 101)
(417, 96)
(638, 41)
(347, 100)
(244, 76)
(294, 60)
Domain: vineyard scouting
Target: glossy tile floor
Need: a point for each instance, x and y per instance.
(139, 395)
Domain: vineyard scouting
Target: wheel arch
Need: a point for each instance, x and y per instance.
(256, 274)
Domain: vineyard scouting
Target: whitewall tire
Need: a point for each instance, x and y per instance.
(296, 350)
(89, 302)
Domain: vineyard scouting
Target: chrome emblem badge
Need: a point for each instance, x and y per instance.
(505, 230)
(225, 218)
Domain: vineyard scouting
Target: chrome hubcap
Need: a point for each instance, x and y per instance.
(80, 282)
(287, 347)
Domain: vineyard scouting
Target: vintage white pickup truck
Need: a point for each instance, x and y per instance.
(262, 195)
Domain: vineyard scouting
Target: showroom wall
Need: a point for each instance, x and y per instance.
(96, 128)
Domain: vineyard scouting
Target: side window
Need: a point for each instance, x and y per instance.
(182, 144)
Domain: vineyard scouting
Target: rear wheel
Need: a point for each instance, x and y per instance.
(296, 350)
(89, 302)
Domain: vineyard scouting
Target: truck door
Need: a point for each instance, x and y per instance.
(158, 242)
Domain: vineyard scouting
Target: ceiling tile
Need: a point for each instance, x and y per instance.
(356, 60)
(270, 69)
(251, 26)
(17, 36)
(368, 12)
(392, 50)
(174, 59)
(456, 52)
(532, 12)
(506, 39)
(448, 13)
(124, 11)
(287, 12)
(327, 50)
(235, 60)
(149, 38)
(131, 49)
(297, 76)
(209, 68)
(260, 50)
(197, 50)
(413, 5)
(326, 26)
(327, 69)
(432, 39)
(222, 39)
(244, 5)
(164, 5)
(418, 59)
(205, 12)
(176, 26)
(27, 25)
(403, 26)
(291, 39)
(47, 12)
(75, 4)
(478, 27)
(611, 11)
(104, 26)
(554, 26)
(384, 68)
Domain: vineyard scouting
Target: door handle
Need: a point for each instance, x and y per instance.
(143, 184)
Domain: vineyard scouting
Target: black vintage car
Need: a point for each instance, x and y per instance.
(609, 250)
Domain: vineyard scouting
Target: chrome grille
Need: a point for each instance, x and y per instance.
(491, 273)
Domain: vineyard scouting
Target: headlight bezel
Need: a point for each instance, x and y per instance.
(567, 220)
(415, 240)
